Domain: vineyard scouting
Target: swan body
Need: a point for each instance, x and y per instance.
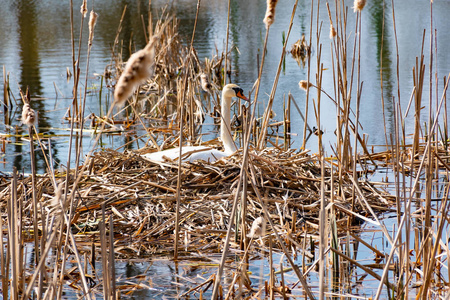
(193, 153)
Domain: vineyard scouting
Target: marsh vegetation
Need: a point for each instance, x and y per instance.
(350, 219)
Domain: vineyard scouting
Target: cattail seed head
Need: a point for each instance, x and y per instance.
(28, 115)
(333, 32)
(92, 21)
(257, 229)
(140, 66)
(270, 13)
(83, 8)
(358, 5)
(303, 84)
(206, 85)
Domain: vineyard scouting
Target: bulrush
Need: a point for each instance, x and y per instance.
(358, 5)
(92, 21)
(333, 32)
(303, 84)
(83, 8)
(257, 229)
(206, 85)
(139, 67)
(28, 115)
(270, 13)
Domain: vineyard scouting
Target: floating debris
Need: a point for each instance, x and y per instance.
(300, 51)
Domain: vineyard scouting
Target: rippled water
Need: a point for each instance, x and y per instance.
(35, 49)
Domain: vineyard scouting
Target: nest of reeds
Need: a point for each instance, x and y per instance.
(139, 197)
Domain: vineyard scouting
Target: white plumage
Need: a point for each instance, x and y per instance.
(192, 153)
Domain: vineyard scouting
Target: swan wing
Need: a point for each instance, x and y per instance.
(189, 153)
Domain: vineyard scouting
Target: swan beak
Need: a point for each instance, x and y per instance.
(241, 95)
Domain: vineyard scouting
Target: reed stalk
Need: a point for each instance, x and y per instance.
(225, 64)
(3, 263)
(13, 242)
(271, 272)
(92, 22)
(6, 101)
(267, 111)
(104, 256)
(216, 289)
(322, 237)
(413, 190)
(308, 80)
(181, 120)
(76, 72)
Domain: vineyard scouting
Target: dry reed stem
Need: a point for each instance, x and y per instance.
(268, 109)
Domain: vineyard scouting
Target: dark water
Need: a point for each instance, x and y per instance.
(35, 49)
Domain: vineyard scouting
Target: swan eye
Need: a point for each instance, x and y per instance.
(239, 93)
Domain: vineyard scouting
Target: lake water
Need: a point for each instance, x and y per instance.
(35, 50)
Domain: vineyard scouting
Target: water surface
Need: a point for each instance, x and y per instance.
(36, 51)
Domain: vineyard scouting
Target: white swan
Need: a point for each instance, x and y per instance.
(192, 153)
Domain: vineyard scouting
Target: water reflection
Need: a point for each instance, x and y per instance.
(385, 67)
(30, 76)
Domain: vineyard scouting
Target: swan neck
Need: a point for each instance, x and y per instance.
(225, 127)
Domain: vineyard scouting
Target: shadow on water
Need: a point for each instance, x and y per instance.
(384, 53)
(31, 77)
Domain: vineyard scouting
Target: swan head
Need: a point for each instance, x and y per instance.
(233, 90)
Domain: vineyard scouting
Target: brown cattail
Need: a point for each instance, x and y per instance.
(257, 229)
(303, 84)
(333, 32)
(270, 13)
(28, 115)
(83, 8)
(92, 21)
(206, 85)
(139, 67)
(358, 5)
